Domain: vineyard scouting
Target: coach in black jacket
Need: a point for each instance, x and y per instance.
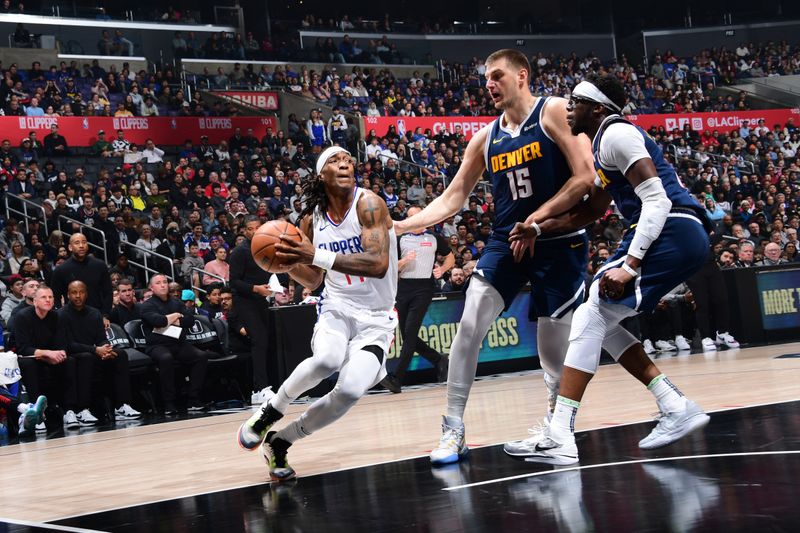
(91, 271)
(161, 311)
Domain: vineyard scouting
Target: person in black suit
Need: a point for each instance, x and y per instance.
(161, 311)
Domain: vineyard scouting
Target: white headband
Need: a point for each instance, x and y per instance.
(588, 91)
(327, 154)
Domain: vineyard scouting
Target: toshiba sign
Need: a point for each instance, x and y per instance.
(261, 100)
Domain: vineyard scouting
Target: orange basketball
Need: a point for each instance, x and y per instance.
(263, 244)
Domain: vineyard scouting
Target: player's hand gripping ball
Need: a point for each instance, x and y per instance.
(266, 237)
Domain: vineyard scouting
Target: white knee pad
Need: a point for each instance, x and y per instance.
(617, 341)
(552, 341)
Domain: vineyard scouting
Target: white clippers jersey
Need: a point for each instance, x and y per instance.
(345, 238)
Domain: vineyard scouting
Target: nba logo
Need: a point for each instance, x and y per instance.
(110, 334)
(173, 123)
(401, 127)
(197, 328)
(85, 124)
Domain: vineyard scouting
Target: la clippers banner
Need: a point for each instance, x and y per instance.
(165, 131)
(722, 121)
(260, 99)
(511, 335)
(469, 126)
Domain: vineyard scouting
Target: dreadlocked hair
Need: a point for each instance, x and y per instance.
(313, 195)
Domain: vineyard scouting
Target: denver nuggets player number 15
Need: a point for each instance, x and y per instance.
(531, 156)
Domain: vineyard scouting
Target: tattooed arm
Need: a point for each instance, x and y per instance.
(373, 262)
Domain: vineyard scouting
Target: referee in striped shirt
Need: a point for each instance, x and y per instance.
(415, 289)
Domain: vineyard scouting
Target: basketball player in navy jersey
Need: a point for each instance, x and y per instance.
(667, 243)
(348, 241)
(531, 155)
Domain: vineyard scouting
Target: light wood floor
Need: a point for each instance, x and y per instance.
(86, 473)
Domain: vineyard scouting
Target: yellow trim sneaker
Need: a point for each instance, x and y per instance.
(251, 434)
(275, 452)
(452, 446)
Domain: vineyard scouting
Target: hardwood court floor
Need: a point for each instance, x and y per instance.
(76, 475)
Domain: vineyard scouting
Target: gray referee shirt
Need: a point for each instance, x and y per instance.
(427, 246)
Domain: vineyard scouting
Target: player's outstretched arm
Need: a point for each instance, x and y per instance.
(454, 196)
(578, 152)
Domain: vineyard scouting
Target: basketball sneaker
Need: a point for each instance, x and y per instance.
(251, 434)
(33, 415)
(726, 339)
(126, 412)
(274, 450)
(647, 344)
(70, 420)
(681, 343)
(452, 446)
(708, 345)
(261, 396)
(86, 418)
(552, 452)
(673, 426)
(665, 346)
(526, 447)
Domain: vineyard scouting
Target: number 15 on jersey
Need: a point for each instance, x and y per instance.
(519, 182)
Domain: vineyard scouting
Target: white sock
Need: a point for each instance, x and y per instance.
(667, 395)
(562, 425)
(293, 432)
(23, 408)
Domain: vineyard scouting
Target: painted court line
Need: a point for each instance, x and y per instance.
(43, 525)
(620, 463)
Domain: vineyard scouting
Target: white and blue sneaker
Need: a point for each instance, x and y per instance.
(674, 426)
(552, 452)
(33, 416)
(527, 446)
(452, 446)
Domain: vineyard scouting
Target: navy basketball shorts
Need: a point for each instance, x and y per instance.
(680, 251)
(557, 273)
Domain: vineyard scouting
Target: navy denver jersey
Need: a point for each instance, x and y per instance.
(526, 168)
(614, 182)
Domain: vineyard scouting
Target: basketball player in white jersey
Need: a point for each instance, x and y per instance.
(349, 242)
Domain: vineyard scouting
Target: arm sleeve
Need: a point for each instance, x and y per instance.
(655, 208)
(621, 146)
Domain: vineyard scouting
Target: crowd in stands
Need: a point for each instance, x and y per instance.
(187, 203)
(70, 89)
(668, 85)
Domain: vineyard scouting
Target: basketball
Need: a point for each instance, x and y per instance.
(263, 244)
